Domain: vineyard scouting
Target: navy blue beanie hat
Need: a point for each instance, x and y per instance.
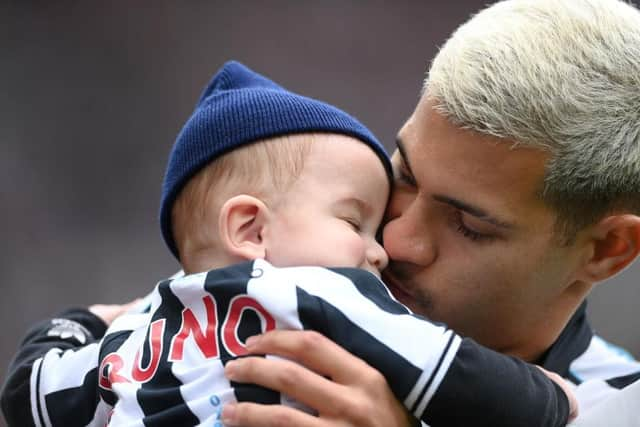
(238, 107)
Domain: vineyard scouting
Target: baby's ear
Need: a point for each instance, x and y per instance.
(241, 223)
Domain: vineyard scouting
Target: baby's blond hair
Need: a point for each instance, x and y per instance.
(264, 169)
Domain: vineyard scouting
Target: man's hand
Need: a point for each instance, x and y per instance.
(567, 388)
(344, 390)
(108, 312)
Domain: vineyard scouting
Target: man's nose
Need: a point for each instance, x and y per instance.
(409, 236)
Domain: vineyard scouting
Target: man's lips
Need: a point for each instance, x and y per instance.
(395, 287)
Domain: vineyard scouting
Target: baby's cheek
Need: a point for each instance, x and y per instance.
(358, 252)
(349, 251)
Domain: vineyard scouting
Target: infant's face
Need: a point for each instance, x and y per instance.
(330, 215)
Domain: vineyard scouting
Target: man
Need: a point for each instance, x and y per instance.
(517, 190)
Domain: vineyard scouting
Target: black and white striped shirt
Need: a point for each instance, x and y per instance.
(165, 366)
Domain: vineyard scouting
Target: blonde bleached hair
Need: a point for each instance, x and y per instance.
(558, 75)
(262, 169)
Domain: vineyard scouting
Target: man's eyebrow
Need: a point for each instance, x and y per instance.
(472, 210)
(458, 204)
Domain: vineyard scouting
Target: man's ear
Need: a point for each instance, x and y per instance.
(616, 243)
(241, 224)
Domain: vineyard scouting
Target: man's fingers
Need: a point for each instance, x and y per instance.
(314, 351)
(354, 394)
(109, 312)
(256, 415)
(289, 378)
(568, 391)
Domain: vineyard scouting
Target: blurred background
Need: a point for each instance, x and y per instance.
(93, 94)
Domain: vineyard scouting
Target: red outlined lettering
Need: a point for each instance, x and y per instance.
(156, 332)
(207, 342)
(112, 364)
(206, 339)
(237, 306)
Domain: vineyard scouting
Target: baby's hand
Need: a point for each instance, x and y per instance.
(566, 387)
(108, 312)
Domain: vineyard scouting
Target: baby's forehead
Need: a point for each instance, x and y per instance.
(365, 149)
(346, 167)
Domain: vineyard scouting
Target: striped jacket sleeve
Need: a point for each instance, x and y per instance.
(52, 379)
(441, 378)
(602, 371)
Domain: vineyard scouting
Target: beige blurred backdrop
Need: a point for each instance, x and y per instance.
(93, 94)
